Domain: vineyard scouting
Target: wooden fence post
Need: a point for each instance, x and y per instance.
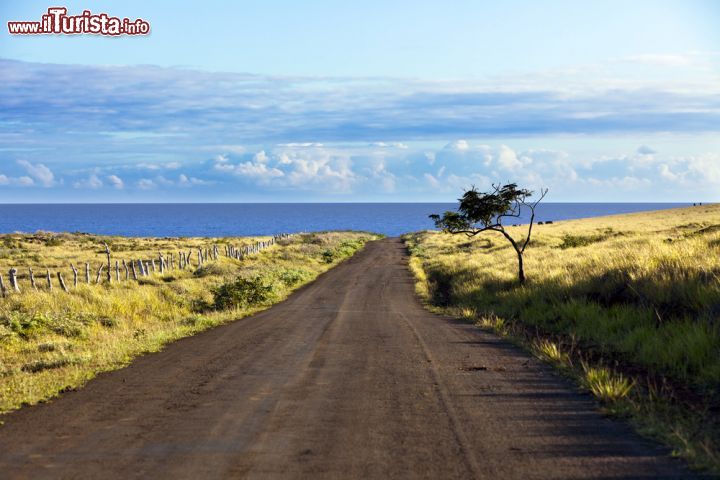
(127, 271)
(75, 275)
(62, 282)
(117, 270)
(49, 280)
(97, 277)
(87, 272)
(107, 252)
(2, 286)
(32, 279)
(12, 275)
(132, 264)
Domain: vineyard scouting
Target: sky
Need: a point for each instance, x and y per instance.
(320, 101)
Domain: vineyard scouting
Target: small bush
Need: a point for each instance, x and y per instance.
(53, 242)
(108, 322)
(346, 248)
(210, 269)
(25, 325)
(241, 292)
(574, 241)
(40, 365)
(328, 256)
(47, 347)
(292, 276)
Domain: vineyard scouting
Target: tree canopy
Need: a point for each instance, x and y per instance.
(482, 211)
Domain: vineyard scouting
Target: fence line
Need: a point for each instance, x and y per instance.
(139, 267)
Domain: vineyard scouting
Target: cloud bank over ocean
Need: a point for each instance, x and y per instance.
(127, 133)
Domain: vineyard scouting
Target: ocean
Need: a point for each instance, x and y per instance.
(238, 219)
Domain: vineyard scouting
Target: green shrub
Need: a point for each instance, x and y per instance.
(292, 276)
(53, 242)
(328, 256)
(346, 249)
(25, 325)
(209, 269)
(574, 241)
(241, 292)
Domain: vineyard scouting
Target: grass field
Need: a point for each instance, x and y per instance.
(53, 340)
(628, 304)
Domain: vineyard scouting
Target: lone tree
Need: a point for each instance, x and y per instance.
(479, 212)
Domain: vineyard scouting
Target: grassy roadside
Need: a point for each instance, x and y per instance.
(628, 305)
(52, 340)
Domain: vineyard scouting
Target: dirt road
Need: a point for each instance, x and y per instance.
(349, 378)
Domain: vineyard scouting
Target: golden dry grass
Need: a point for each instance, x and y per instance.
(645, 285)
(50, 341)
(639, 291)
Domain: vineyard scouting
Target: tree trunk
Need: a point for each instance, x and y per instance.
(521, 269)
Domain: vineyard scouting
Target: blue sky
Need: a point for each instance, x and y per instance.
(372, 101)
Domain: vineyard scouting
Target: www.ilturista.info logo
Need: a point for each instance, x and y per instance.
(57, 21)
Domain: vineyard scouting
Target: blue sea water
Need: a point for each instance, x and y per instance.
(231, 219)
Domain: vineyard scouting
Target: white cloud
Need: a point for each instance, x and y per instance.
(699, 172)
(300, 145)
(458, 145)
(431, 180)
(159, 166)
(185, 181)
(666, 173)
(380, 175)
(320, 169)
(25, 181)
(507, 158)
(145, 184)
(182, 181)
(93, 182)
(398, 145)
(302, 168)
(257, 170)
(116, 182)
(39, 172)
